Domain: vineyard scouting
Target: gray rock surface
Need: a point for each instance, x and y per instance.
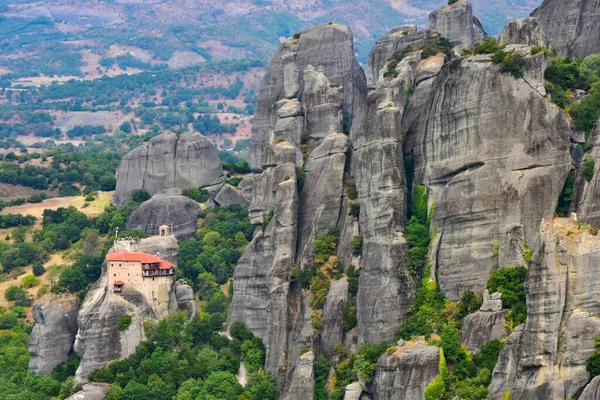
(178, 212)
(587, 194)
(386, 288)
(457, 24)
(262, 274)
(524, 31)
(491, 302)
(482, 174)
(303, 380)
(228, 196)
(186, 299)
(91, 391)
(482, 327)
(353, 391)
(333, 317)
(404, 374)
(168, 161)
(99, 339)
(572, 26)
(53, 334)
(321, 197)
(592, 390)
(395, 41)
(547, 358)
(316, 74)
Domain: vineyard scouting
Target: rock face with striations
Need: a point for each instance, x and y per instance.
(395, 41)
(169, 161)
(547, 357)
(303, 379)
(314, 79)
(178, 212)
(261, 277)
(52, 336)
(313, 86)
(572, 26)
(587, 194)
(405, 373)
(488, 324)
(525, 31)
(492, 177)
(457, 24)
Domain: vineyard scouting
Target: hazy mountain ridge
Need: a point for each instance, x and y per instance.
(172, 33)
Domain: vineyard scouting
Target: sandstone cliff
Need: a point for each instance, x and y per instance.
(546, 358)
(572, 26)
(314, 82)
(405, 373)
(169, 161)
(52, 336)
(457, 24)
(99, 339)
(484, 143)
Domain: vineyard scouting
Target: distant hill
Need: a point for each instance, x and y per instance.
(96, 37)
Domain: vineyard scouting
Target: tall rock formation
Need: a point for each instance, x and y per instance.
(315, 83)
(52, 336)
(525, 31)
(546, 359)
(457, 24)
(169, 161)
(494, 154)
(99, 339)
(405, 373)
(313, 86)
(572, 26)
(395, 41)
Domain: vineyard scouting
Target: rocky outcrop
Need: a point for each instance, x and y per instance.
(457, 24)
(299, 154)
(169, 161)
(386, 288)
(587, 194)
(321, 197)
(482, 327)
(91, 391)
(186, 299)
(525, 31)
(228, 196)
(262, 275)
(395, 41)
(302, 381)
(333, 317)
(315, 83)
(547, 357)
(99, 339)
(592, 390)
(487, 324)
(571, 26)
(482, 165)
(178, 212)
(52, 337)
(405, 373)
(353, 391)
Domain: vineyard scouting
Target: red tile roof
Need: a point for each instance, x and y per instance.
(139, 257)
(121, 283)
